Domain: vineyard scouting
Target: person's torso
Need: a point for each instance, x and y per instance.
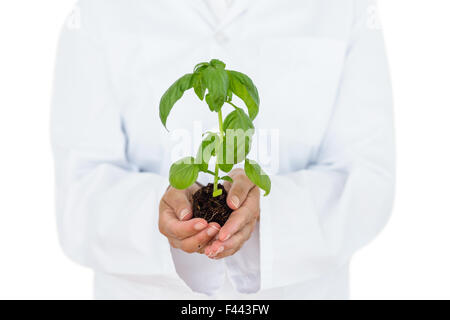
(293, 50)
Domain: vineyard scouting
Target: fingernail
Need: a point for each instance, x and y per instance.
(235, 201)
(213, 226)
(226, 238)
(199, 226)
(184, 213)
(214, 254)
(211, 231)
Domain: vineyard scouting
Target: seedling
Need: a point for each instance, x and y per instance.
(229, 146)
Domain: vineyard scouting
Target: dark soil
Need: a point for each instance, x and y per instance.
(209, 208)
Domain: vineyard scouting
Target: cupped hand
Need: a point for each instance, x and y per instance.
(244, 198)
(176, 223)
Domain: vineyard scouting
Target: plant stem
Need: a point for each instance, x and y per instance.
(216, 179)
(232, 104)
(210, 172)
(221, 135)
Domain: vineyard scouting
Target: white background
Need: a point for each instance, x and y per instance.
(409, 260)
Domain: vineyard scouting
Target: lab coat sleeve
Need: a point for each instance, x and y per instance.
(107, 210)
(315, 219)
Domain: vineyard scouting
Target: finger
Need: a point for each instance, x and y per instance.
(178, 200)
(239, 189)
(210, 242)
(227, 185)
(197, 242)
(172, 227)
(234, 242)
(224, 254)
(232, 245)
(239, 218)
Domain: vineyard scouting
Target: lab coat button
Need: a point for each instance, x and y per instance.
(221, 38)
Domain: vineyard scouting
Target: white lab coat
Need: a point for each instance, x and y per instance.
(321, 71)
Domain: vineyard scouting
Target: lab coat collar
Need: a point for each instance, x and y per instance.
(238, 8)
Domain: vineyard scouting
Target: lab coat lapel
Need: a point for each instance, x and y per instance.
(200, 7)
(237, 9)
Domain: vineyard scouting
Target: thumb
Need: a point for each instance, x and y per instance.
(239, 190)
(178, 200)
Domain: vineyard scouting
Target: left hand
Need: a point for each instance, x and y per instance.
(244, 198)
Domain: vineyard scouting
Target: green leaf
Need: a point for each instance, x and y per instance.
(237, 119)
(206, 151)
(216, 63)
(212, 103)
(227, 178)
(172, 95)
(225, 167)
(243, 87)
(200, 67)
(183, 173)
(234, 147)
(257, 176)
(217, 193)
(216, 81)
(229, 94)
(199, 86)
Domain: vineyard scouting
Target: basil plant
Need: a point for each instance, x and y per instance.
(229, 146)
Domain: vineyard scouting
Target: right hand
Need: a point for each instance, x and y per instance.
(175, 213)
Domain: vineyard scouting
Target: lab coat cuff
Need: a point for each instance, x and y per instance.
(266, 243)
